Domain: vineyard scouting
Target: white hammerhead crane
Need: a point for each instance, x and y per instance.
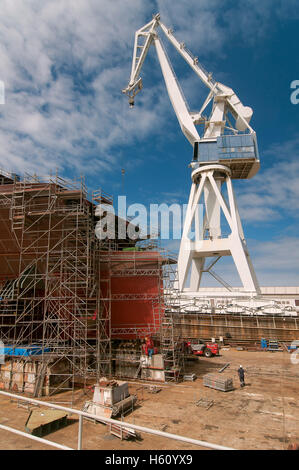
(226, 150)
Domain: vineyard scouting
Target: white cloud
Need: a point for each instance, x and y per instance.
(281, 254)
(208, 25)
(64, 64)
(195, 23)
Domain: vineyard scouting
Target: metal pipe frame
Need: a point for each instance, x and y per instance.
(83, 414)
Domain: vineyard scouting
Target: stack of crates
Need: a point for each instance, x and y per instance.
(218, 381)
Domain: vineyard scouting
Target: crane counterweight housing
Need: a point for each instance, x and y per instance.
(225, 149)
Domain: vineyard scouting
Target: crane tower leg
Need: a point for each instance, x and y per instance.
(208, 240)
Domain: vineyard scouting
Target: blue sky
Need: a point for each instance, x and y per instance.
(65, 62)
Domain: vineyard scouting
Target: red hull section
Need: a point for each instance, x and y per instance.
(136, 292)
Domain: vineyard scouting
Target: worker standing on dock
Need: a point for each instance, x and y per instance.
(149, 346)
(241, 373)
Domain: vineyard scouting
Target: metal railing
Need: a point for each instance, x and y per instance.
(35, 438)
(120, 424)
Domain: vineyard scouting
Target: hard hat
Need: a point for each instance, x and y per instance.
(241, 367)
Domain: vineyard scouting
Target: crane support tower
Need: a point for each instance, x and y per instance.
(225, 149)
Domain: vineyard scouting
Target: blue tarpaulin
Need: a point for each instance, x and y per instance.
(23, 350)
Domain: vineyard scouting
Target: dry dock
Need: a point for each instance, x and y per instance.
(263, 415)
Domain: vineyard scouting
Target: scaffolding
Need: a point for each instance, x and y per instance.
(56, 278)
(172, 346)
(54, 301)
(148, 260)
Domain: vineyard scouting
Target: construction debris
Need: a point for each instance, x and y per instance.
(154, 389)
(110, 398)
(122, 432)
(224, 367)
(207, 404)
(190, 377)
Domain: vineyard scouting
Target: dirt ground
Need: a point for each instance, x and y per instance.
(262, 415)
